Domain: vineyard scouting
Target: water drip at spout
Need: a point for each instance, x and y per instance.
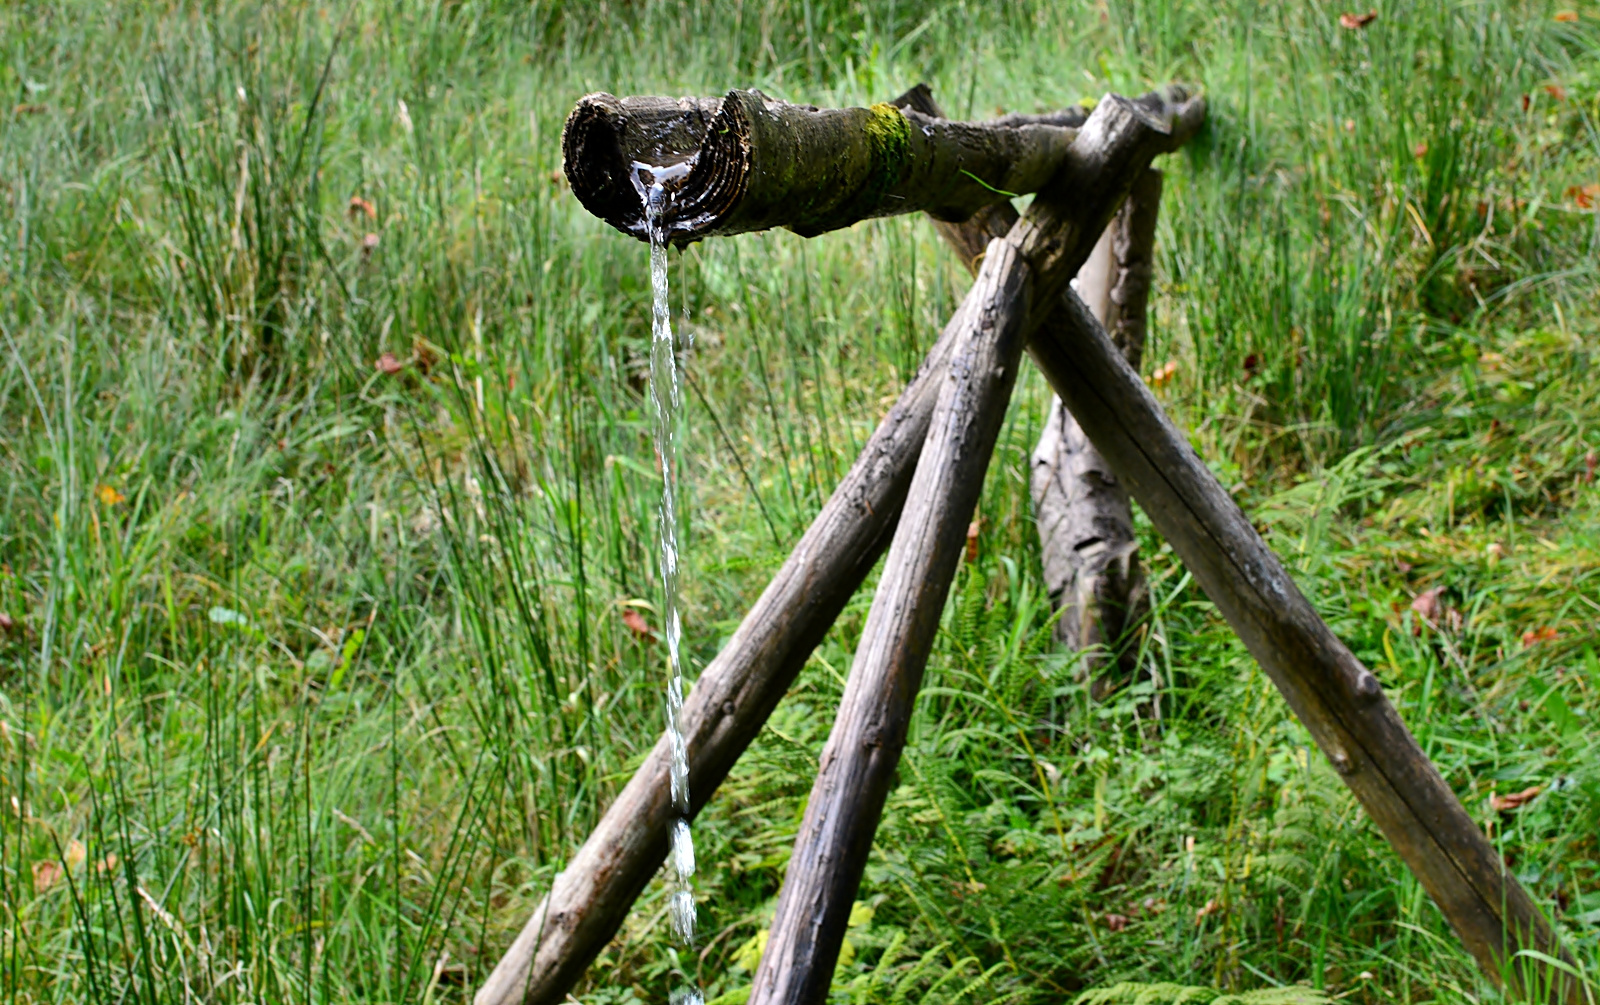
(665, 396)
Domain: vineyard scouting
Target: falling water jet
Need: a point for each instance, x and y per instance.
(665, 394)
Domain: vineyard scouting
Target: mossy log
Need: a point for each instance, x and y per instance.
(745, 162)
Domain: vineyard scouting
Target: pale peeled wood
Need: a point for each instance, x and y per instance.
(859, 760)
(1089, 554)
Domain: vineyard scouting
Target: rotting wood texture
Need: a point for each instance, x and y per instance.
(1090, 556)
(732, 698)
(863, 750)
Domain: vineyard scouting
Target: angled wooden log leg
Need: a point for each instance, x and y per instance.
(726, 707)
(863, 750)
(1338, 699)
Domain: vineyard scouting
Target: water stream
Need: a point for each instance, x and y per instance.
(665, 396)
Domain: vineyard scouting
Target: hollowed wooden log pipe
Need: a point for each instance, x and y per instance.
(728, 705)
(754, 163)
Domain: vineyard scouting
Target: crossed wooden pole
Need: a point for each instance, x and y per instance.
(755, 163)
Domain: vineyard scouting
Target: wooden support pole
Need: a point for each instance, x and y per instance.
(731, 700)
(863, 750)
(1338, 699)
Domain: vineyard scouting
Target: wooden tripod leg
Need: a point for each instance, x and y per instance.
(726, 708)
(863, 750)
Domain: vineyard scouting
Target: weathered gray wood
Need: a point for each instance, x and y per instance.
(725, 708)
(730, 702)
(1090, 556)
(753, 163)
(859, 760)
(1338, 699)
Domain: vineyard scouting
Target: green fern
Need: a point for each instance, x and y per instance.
(1178, 994)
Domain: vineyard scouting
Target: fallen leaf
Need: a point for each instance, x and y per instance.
(1527, 100)
(1567, 16)
(359, 205)
(107, 864)
(6, 624)
(1355, 22)
(636, 623)
(108, 495)
(972, 541)
(1589, 461)
(1212, 907)
(30, 109)
(1426, 608)
(1251, 361)
(1496, 551)
(369, 244)
(1556, 91)
(1164, 374)
(387, 363)
(76, 853)
(1116, 922)
(1420, 150)
(1501, 804)
(1581, 195)
(1534, 636)
(46, 872)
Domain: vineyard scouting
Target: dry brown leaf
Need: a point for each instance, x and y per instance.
(1501, 804)
(1116, 922)
(76, 853)
(972, 541)
(46, 872)
(387, 363)
(1212, 907)
(108, 495)
(1567, 16)
(1164, 374)
(1355, 22)
(1556, 91)
(1590, 459)
(369, 244)
(1583, 195)
(1426, 607)
(6, 624)
(1534, 636)
(359, 206)
(636, 623)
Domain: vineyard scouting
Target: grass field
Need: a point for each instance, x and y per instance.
(311, 673)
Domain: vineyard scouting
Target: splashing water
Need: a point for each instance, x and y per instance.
(665, 395)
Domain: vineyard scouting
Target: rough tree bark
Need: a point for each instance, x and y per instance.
(731, 700)
(1041, 252)
(863, 750)
(746, 162)
(1089, 551)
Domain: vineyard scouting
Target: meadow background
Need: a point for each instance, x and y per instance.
(313, 665)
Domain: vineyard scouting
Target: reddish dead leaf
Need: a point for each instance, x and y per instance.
(1164, 374)
(1567, 16)
(107, 864)
(1534, 636)
(1116, 922)
(6, 624)
(972, 541)
(1527, 100)
(1355, 22)
(1581, 195)
(1556, 91)
(636, 623)
(387, 363)
(1420, 150)
(1251, 361)
(76, 853)
(46, 872)
(30, 109)
(1501, 804)
(108, 495)
(1212, 907)
(1589, 461)
(1426, 608)
(369, 244)
(359, 206)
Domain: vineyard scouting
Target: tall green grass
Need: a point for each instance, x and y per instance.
(316, 672)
